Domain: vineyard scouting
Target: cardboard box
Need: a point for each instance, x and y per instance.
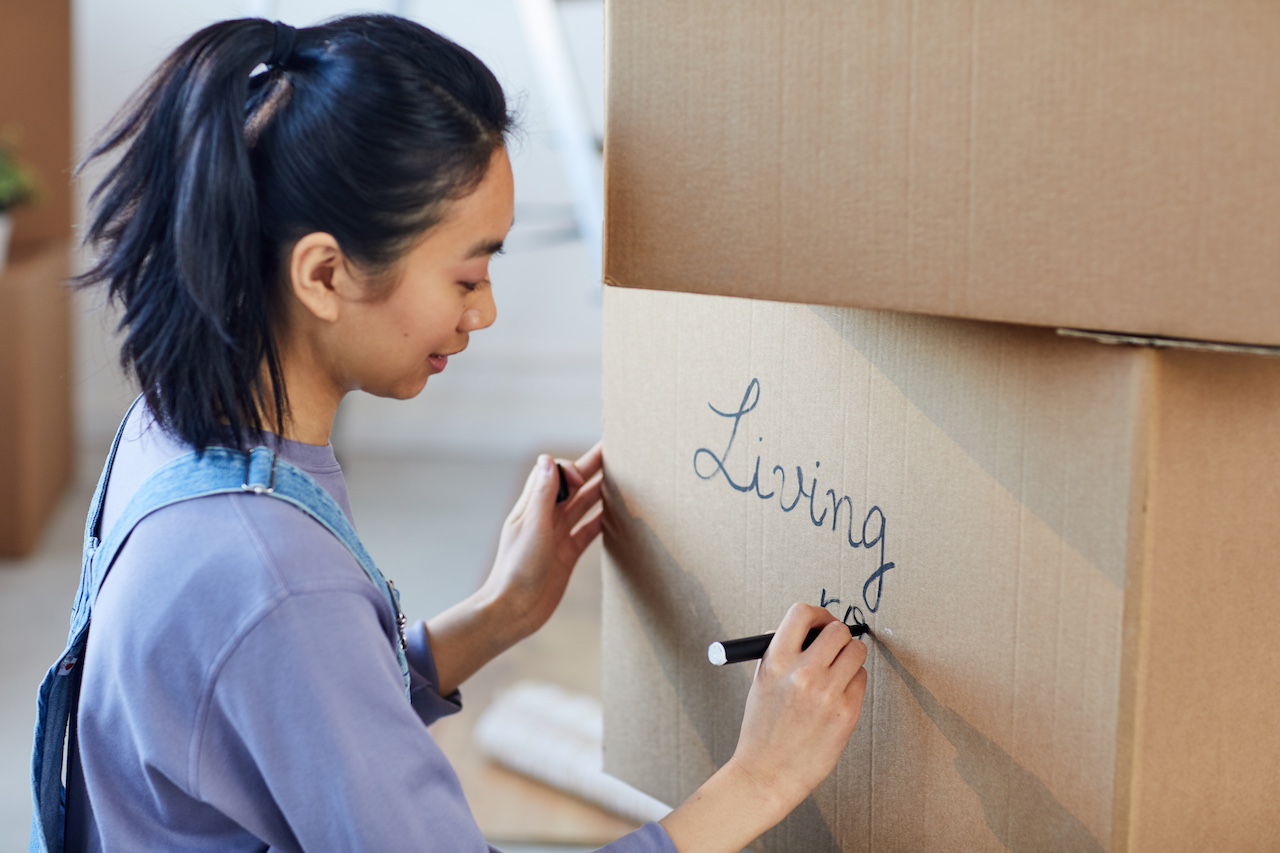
(1066, 550)
(36, 444)
(1060, 163)
(35, 337)
(35, 106)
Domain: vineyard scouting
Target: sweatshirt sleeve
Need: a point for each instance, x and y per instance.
(424, 679)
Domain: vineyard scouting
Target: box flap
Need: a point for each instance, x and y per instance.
(1111, 167)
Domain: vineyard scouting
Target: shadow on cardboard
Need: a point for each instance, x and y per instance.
(1020, 810)
(961, 394)
(659, 587)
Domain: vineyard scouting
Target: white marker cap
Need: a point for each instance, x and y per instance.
(715, 654)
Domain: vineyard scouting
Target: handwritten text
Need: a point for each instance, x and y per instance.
(790, 492)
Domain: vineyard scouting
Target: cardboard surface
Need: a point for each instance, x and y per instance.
(35, 387)
(35, 335)
(1100, 166)
(1205, 770)
(1031, 525)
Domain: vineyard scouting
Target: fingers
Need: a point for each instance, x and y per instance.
(848, 662)
(796, 624)
(834, 641)
(857, 688)
(588, 530)
(577, 473)
(536, 481)
(544, 477)
(584, 499)
(855, 651)
(833, 650)
(578, 518)
(803, 706)
(544, 481)
(585, 480)
(590, 462)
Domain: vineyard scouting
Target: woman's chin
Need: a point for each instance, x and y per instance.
(406, 390)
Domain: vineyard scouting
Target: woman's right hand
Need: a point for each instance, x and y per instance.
(803, 705)
(801, 710)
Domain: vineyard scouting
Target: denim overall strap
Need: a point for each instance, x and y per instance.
(219, 470)
(80, 609)
(61, 684)
(213, 472)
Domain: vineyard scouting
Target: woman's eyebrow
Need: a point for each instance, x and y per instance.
(489, 247)
(485, 247)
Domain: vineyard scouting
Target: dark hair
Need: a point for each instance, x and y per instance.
(366, 130)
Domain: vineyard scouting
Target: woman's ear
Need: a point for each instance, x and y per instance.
(318, 276)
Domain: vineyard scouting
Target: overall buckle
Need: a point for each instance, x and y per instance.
(256, 488)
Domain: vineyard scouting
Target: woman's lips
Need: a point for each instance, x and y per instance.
(438, 362)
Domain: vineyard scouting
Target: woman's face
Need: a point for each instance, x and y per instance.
(391, 346)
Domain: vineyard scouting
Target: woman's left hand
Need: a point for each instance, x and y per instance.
(542, 540)
(540, 544)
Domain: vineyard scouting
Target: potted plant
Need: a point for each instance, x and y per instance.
(16, 187)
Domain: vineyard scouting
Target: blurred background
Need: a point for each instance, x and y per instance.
(530, 380)
(432, 478)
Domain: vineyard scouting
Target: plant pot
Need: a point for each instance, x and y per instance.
(6, 228)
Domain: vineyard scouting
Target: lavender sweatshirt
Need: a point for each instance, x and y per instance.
(241, 692)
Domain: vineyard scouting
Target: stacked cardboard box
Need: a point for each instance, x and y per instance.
(35, 386)
(1065, 548)
(35, 314)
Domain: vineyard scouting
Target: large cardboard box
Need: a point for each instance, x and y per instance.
(1066, 550)
(1076, 163)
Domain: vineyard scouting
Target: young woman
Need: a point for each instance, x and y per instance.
(278, 238)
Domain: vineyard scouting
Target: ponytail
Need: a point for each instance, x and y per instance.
(363, 128)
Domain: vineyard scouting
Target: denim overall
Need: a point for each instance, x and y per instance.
(217, 471)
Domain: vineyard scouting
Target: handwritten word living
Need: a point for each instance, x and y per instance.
(790, 492)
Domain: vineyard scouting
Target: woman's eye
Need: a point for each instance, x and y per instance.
(470, 285)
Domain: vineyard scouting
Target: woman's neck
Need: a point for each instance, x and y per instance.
(313, 402)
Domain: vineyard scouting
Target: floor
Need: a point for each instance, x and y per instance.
(453, 504)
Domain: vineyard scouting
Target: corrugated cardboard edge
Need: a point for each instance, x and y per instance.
(1135, 640)
(1156, 342)
(1200, 687)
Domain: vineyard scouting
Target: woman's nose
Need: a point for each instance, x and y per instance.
(481, 313)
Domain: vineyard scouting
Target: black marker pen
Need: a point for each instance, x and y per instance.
(753, 648)
(563, 494)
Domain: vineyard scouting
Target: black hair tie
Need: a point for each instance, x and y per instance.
(282, 44)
